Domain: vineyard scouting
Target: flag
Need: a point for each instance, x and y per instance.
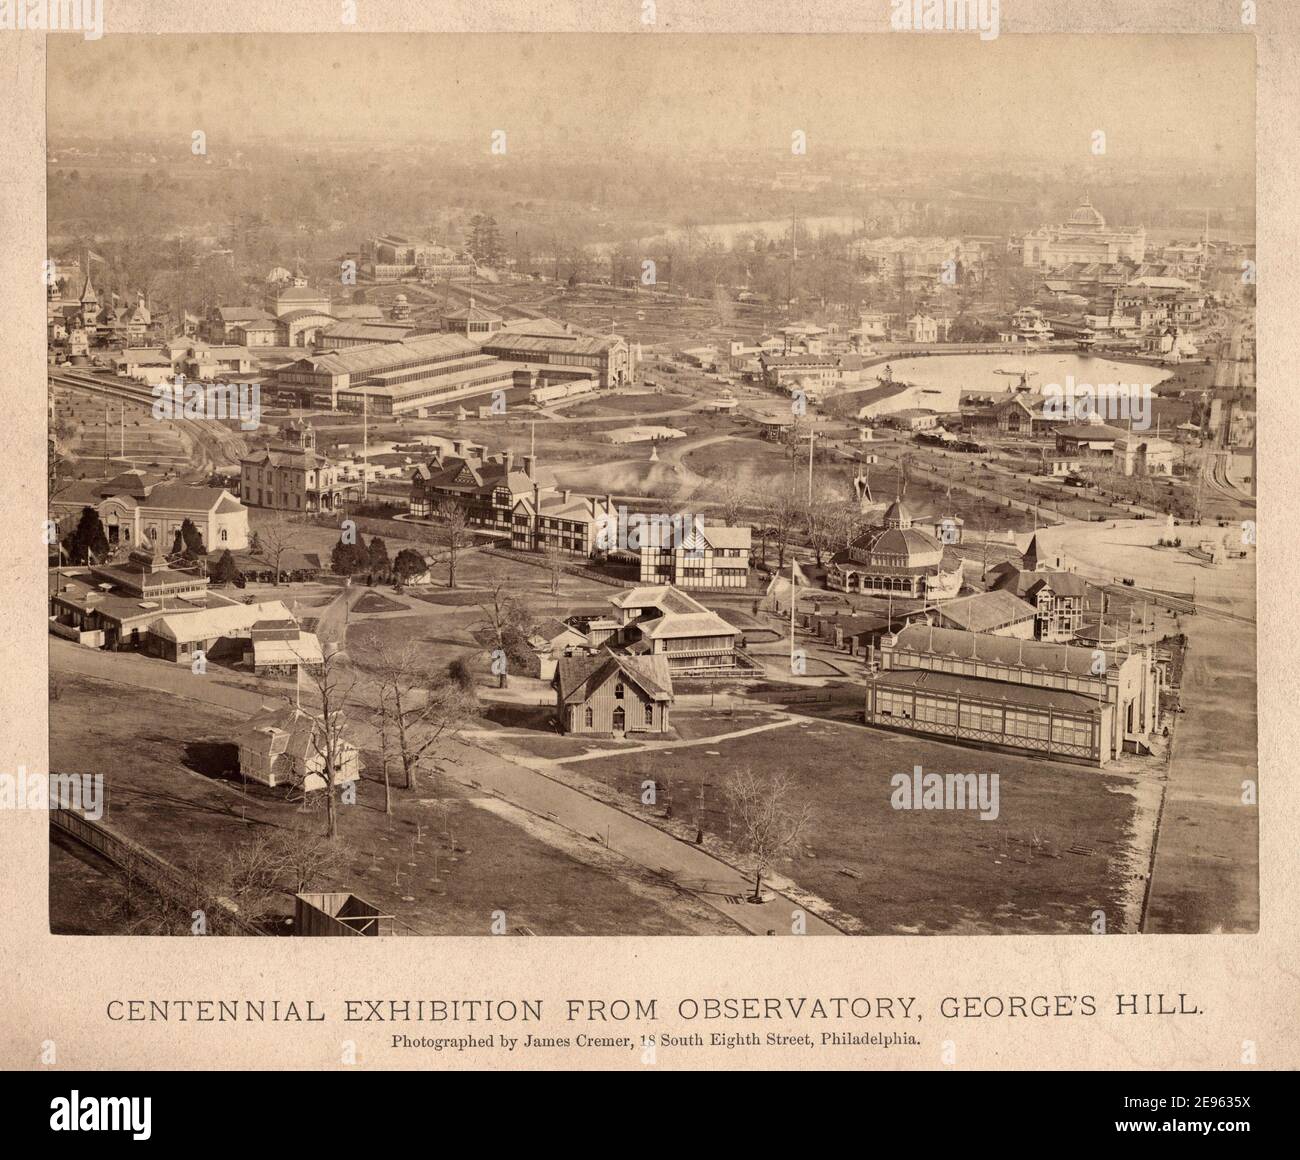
(91, 256)
(797, 576)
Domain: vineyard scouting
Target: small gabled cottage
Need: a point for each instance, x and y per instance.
(610, 695)
(285, 746)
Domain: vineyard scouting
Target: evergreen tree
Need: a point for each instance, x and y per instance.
(226, 571)
(409, 563)
(378, 557)
(193, 539)
(349, 559)
(87, 537)
(341, 559)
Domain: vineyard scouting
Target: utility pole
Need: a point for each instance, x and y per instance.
(812, 438)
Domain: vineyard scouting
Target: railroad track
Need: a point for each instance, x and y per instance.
(1217, 478)
(218, 443)
(1176, 603)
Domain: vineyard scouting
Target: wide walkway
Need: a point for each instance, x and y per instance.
(1205, 875)
(689, 867)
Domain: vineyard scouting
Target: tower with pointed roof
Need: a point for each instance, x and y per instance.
(1032, 556)
(89, 299)
(897, 516)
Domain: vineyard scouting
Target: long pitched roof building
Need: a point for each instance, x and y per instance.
(998, 691)
(393, 378)
(606, 355)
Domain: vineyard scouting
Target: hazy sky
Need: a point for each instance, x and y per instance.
(1155, 96)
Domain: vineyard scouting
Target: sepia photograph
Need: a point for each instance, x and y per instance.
(715, 537)
(763, 496)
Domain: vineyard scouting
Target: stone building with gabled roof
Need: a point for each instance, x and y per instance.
(136, 508)
(613, 695)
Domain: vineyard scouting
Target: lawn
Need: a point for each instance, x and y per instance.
(1068, 840)
(442, 864)
(374, 602)
(643, 404)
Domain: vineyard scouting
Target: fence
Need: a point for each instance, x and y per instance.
(159, 875)
(791, 696)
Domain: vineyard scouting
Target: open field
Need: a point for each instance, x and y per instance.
(627, 404)
(442, 863)
(1068, 841)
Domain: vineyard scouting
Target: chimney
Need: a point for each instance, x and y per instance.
(508, 458)
(567, 493)
(529, 463)
(456, 446)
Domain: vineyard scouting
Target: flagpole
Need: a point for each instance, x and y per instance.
(794, 596)
(812, 438)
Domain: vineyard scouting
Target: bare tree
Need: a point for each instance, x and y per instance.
(556, 562)
(847, 523)
(302, 859)
(420, 708)
(334, 685)
(456, 526)
(506, 620)
(768, 823)
(276, 537)
(731, 499)
(385, 740)
(782, 508)
(821, 523)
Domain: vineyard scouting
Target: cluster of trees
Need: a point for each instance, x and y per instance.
(781, 511)
(256, 881)
(372, 561)
(484, 239)
(419, 704)
(348, 559)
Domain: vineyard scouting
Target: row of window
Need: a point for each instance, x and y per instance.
(1027, 724)
(620, 717)
(993, 671)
